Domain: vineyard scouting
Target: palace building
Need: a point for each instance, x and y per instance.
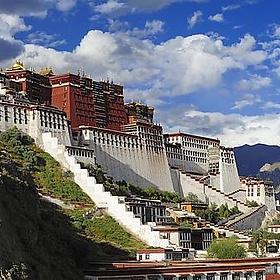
(36, 86)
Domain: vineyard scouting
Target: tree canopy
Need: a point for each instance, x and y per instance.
(226, 248)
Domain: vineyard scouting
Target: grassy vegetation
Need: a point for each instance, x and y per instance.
(39, 240)
(104, 230)
(121, 188)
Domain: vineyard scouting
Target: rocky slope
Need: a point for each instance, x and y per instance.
(39, 239)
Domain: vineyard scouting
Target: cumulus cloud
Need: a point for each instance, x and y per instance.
(254, 82)
(231, 7)
(10, 49)
(44, 39)
(176, 67)
(195, 18)
(271, 105)
(248, 100)
(151, 28)
(217, 18)
(65, 5)
(232, 129)
(34, 7)
(10, 25)
(113, 8)
(243, 51)
(9, 46)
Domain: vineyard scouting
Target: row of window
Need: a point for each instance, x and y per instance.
(80, 153)
(186, 158)
(194, 140)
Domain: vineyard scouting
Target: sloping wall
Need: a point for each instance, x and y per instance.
(122, 157)
(115, 207)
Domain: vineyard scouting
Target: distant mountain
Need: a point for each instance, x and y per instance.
(259, 161)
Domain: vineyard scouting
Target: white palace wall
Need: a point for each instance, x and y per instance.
(33, 119)
(228, 171)
(124, 157)
(115, 206)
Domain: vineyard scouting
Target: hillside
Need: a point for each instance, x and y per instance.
(250, 159)
(39, 240)
(260, 161)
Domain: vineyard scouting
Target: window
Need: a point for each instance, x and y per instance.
(224, 276)
(235, 276)
(259, 275)
(210, 276)
(248, 276)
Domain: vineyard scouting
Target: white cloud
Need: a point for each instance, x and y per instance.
(151, 28)
(232, 129)
(175, 67)
(47, 40)
(243, 51)
(66, 5)
(112, 7)
(195, 18)
(34, 7)
(248, 100)
(231, 7)
(141, 5)
(276, 32)
(255, 82)
(217, 18)
(271, 105)
(10, 25)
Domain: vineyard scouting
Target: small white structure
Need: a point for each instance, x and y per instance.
(259, 191)
(164, 254)
(274, 228)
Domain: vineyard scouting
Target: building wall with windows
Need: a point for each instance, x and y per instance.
(146, 209)
(126, 156)
(87, 102)
(162, 254)
(237, 269)
(33, 119)
(259, 191)
(36, 86)
(189, 152)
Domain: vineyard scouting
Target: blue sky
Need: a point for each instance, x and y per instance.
(209, 67)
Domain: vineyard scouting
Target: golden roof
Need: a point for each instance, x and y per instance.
(47, 71)
(17, 66)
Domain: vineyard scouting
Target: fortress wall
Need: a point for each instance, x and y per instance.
(251, 220)
(204, 192)
(229, 175)
(115, 207)
(239, 195)
(215, 180)
(270, 203)
(229, 178)
(185, 185)
(34, 119)
(124, 158)
(176, 181)
(221, 198)
(187, 166)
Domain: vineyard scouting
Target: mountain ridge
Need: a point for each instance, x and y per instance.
(259, 160)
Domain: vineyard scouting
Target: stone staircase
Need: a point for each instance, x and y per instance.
(103, 199)
(213, 194)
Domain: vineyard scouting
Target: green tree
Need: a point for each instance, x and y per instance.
(226, 248)
(191, 197)
(212, 213)
(234, 210)
(258, 243)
